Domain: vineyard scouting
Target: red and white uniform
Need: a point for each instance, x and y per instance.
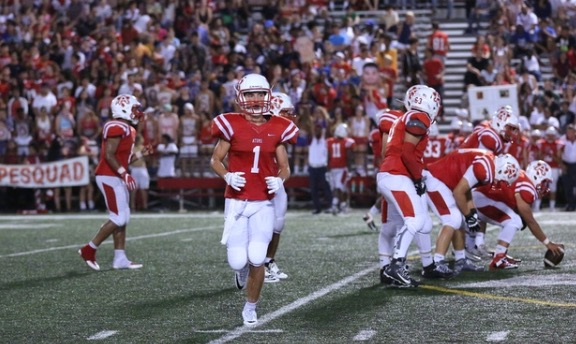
(109, 182)
(338, 161)
(533, 151)
(437, 148)
(498, 206)
(484, 138)
(396, 180)
(253, 150)
(442, 177)
(549, 150)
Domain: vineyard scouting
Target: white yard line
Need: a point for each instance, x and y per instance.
(250, 331)
(147, 236)
(497, 336)
(102, 335)
(364, 335)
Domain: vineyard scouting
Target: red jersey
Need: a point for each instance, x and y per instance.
(375, 140)
(116, 129)
(476, 165)
(549, 151)
(433, 68)
(387, 119)
(338, 151)
(393, 157)
(507, 195)
(533, 151)
(517, 149)
(252, 150)
(437, 148)
(438, 41)
(484, 138)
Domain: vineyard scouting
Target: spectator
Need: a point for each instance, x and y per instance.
(565, 116)
(411, 67)
(167, 150)
(475, 66)
(438, 42)
(140, 173)
(488, 75)
(168, 122)
(90, 149)
(433, 73)
(189, 142)
(5, 135)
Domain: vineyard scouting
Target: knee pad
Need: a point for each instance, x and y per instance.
(257, 253)
(507, 233)
(415, 224)
(454, 219)
(427, 228)
(279, 224)
(237, 257)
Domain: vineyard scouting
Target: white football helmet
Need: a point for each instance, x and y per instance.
(505, 123)
(126, 106)
(551, 132)
(281, 102)
(507, 169)
(424, 99)
(341, 130)
(536, 133)
(253, 83)
(456, 125)
(433, 131)
(540, 174)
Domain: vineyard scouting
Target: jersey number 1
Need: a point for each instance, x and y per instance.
(256, 152)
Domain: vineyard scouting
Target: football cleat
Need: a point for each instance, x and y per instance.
(241, 276)
(269, 278)
(274, 270)
(481, 251)
(466, 265)
(250, 317)
(126, 265)
(471, 256)
(398, 272)
(89, 255)
(369, 221)
(500, 261)
(438, 270)
(385, 280)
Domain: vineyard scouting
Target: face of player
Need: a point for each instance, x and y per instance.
(255, 103)
(511, 133)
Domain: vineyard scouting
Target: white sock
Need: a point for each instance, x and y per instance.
(250, 306)
(334, 202)
(93, 245)
(82, 205)
(459, 254)
(438, 257)
(499, 249)
(384, 261)
(470, 241)
(90, 204)
(120, 255)
(552, 204)
(424, 243)
(267, 260)
(403, 240)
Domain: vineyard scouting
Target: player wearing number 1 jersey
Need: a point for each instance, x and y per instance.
(257, 167)
(114, 181)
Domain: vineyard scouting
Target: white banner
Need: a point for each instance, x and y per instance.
(485, 100)
(70, 172)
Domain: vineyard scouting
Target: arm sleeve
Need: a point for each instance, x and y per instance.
(411, 161)
(416, 127)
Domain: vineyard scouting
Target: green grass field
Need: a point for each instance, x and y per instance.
(185, 292)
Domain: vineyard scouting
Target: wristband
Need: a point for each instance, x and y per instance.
(546, 242)
(121, 170)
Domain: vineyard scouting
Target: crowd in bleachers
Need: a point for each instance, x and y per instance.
(62, 62)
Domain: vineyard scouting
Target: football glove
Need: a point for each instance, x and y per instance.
(420, 187)
(129, 181)
(235, 180)
(472, 221)
(274, 184)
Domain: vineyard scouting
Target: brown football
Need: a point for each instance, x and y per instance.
(551, 260)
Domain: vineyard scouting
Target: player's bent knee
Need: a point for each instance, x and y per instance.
(453, 220)
(415, 224)
(257, 253)
(237, 258)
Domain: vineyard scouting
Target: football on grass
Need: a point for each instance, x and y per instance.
(551, 260)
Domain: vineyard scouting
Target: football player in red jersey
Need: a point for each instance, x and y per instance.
(551, 152)
(339, 155)
(437, 147)
(281, 105)
(400, 175)
(114, 181)
(491, 135)
(448, 183)
(510, 208)
(256, 169)
(503, 127)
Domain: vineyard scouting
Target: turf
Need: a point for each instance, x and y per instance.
(185, 292)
